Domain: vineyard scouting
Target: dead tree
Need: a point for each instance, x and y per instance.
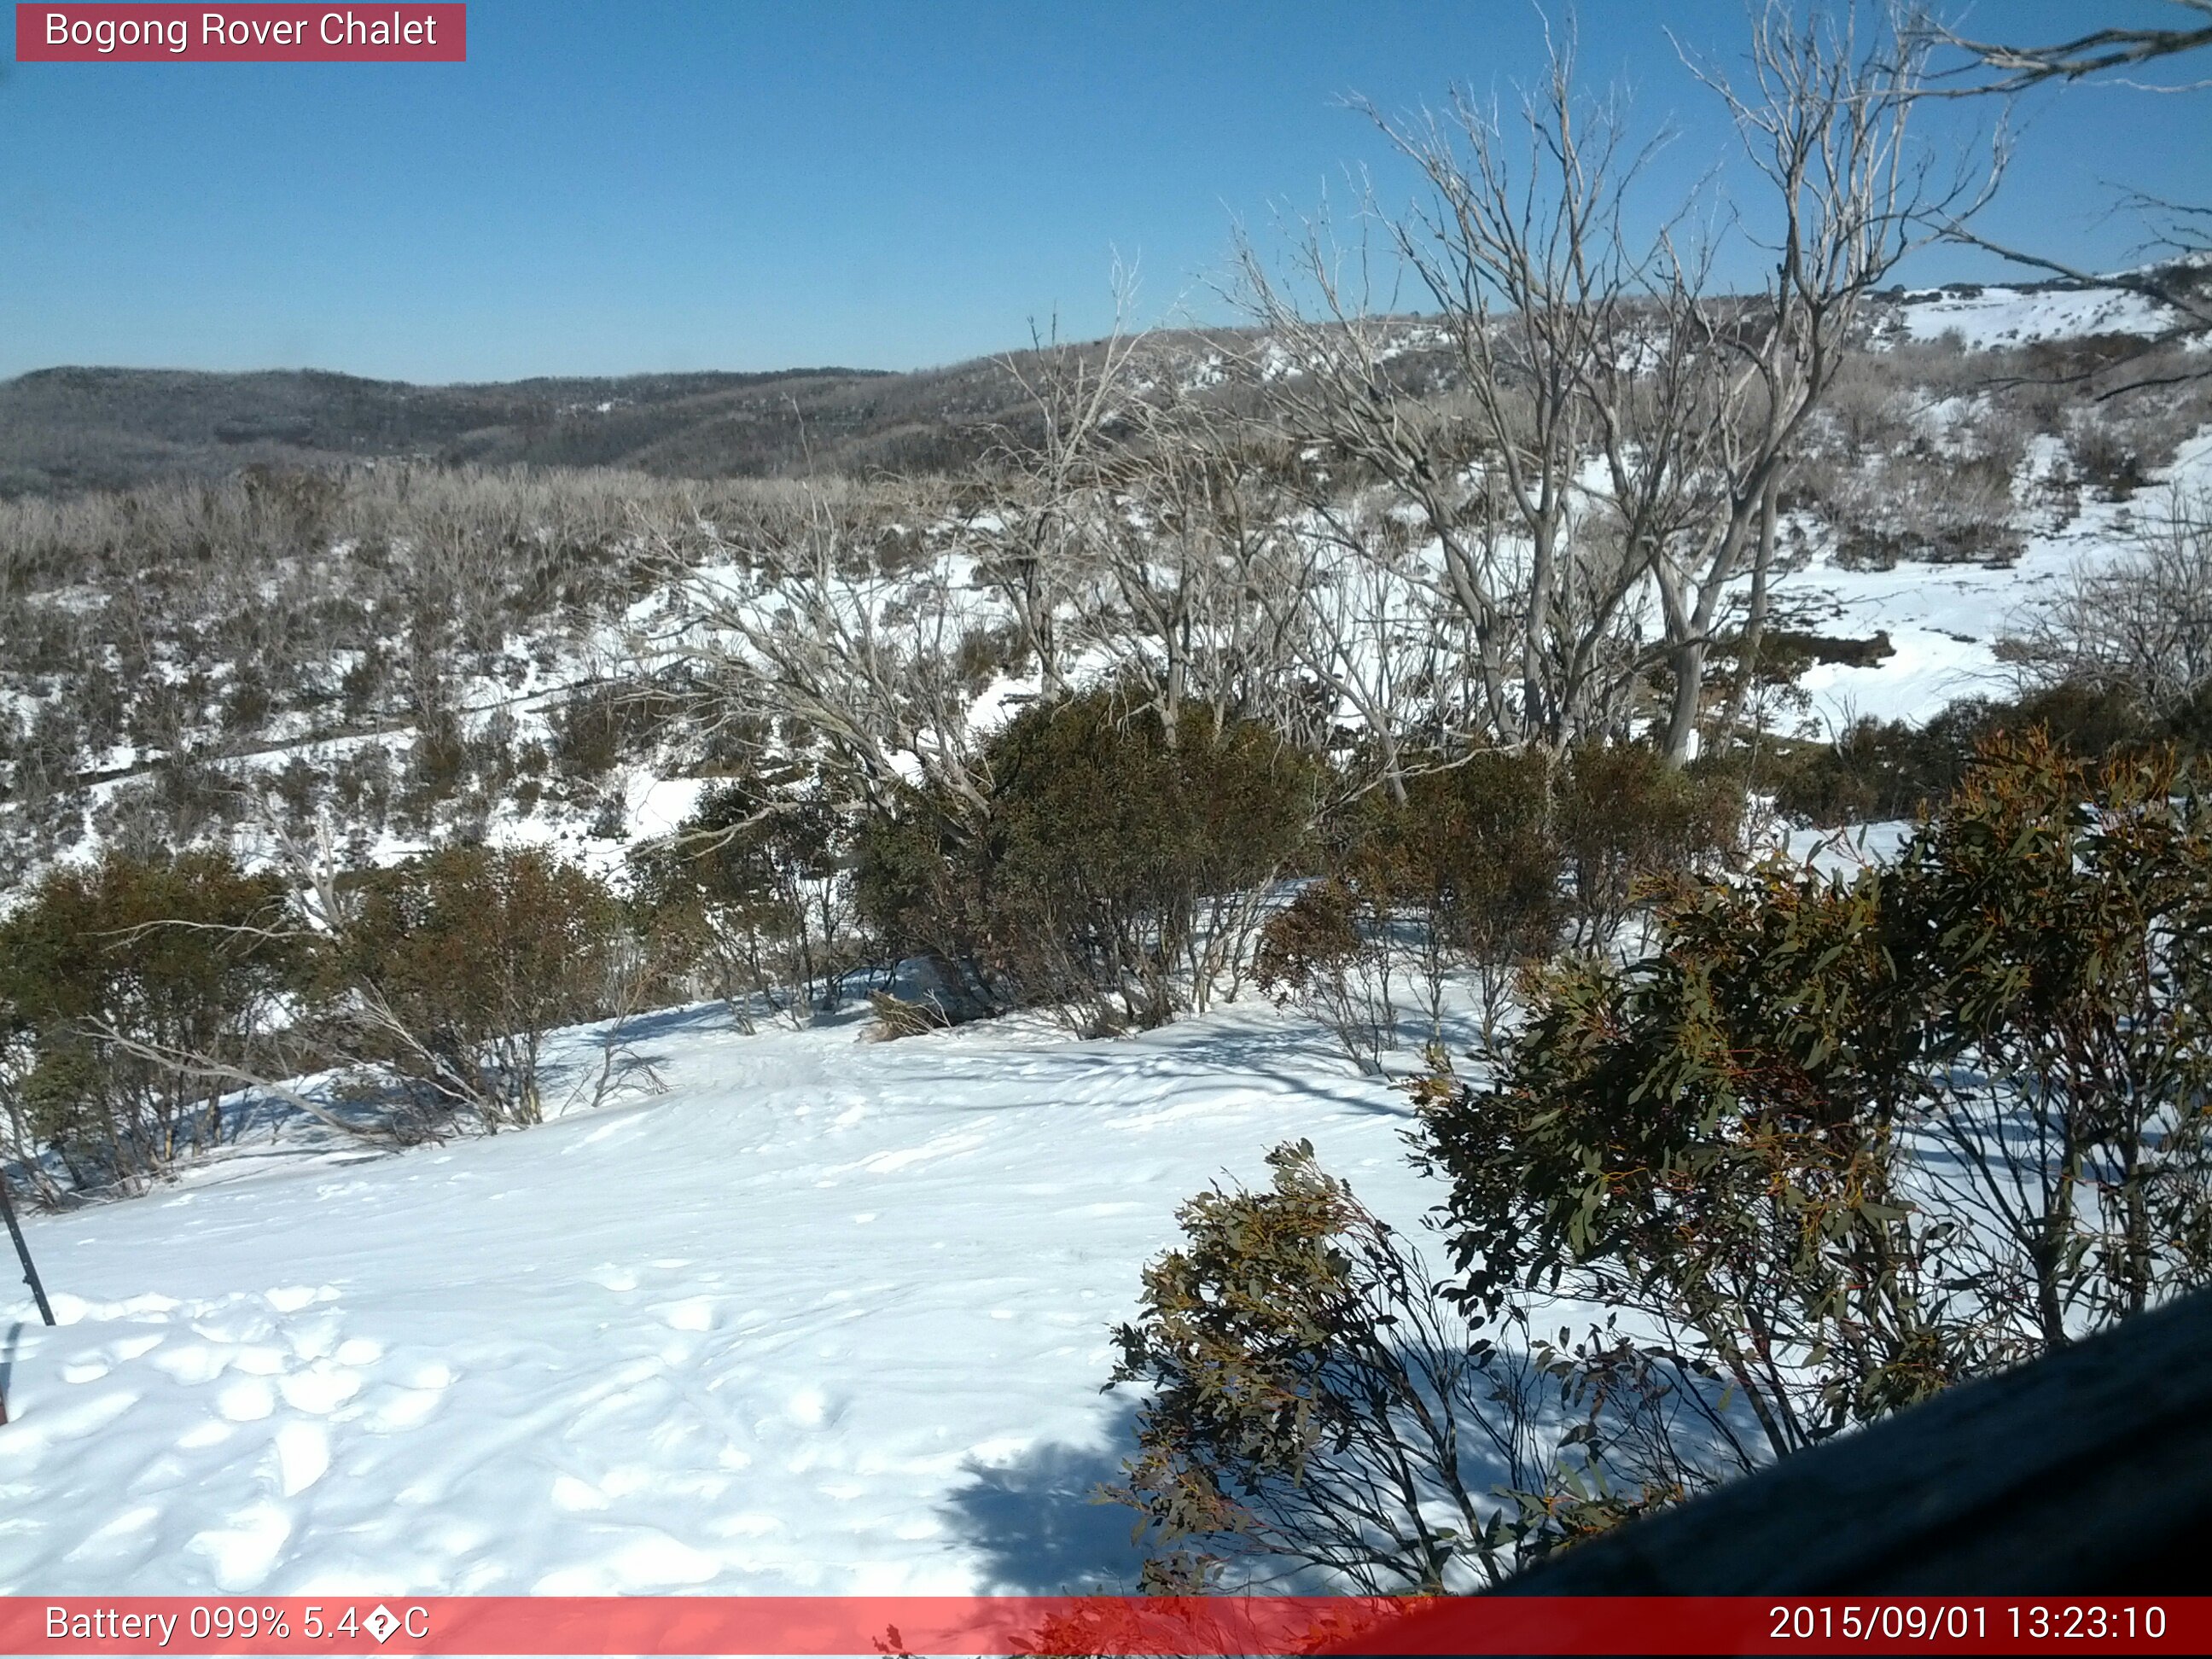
(836, 635)
(1521, 252)
(1824, 119)
(1192, 539)
(1032, 531)
(2140, 627)
(2015, 68)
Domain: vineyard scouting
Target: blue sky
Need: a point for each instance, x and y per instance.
(644, 184)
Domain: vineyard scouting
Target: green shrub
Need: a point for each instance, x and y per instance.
(1306, 1392)
(758, 879)
(1113, 874)
(1464, 870)
(587, 733)
(1834, 1146)
(599, 725)
(1839, 1144)
(1624, 818)
(449, 970)
(1877, 770)
(1332, 951)
(110, 978)
(1882, 770)
(437, 764)
(1481, 863)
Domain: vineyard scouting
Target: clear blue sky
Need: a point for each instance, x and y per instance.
(615, 185)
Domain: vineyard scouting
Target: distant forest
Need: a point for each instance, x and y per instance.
(64, 431)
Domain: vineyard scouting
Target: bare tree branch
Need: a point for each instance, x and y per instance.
(2018, 67)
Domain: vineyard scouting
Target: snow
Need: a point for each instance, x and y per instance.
(827, 1316)
(1945, 621)
(1844, 852)
(1995, 317)
(659, 806)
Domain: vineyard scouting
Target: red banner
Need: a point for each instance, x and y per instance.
(913, 1624)
(366, 34)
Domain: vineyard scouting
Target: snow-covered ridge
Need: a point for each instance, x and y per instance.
(1944, 621)
(1992, 317)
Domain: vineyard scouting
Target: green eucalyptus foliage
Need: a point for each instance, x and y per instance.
(181, 955)
(1091, 878)
(1838, 1141)
(450, 969)
(1843, 1142)
(1470, 848)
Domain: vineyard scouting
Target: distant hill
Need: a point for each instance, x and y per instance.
(65, 429)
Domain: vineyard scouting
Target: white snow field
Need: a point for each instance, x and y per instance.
(1945, 620)
(826, 1316)
(1985, 316)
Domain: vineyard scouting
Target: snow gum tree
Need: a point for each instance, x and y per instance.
(1608, 435)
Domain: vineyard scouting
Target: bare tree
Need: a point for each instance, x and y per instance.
(1546, 300)
(1824, 114)
(1032, 531)
(1365, 624)
(2015, 68)
(841, 630)
(1610, 428)
(1520, 249)
(2140, 626)
(2178, 228)
(1194, 542)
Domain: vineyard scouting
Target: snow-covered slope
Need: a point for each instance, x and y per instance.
(1945, 621)
(1985, 318)
(820, 1313)
(826, 1316)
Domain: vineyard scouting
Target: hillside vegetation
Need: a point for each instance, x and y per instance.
(1433, 716)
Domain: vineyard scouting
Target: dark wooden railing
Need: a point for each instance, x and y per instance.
(2087, 1473)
